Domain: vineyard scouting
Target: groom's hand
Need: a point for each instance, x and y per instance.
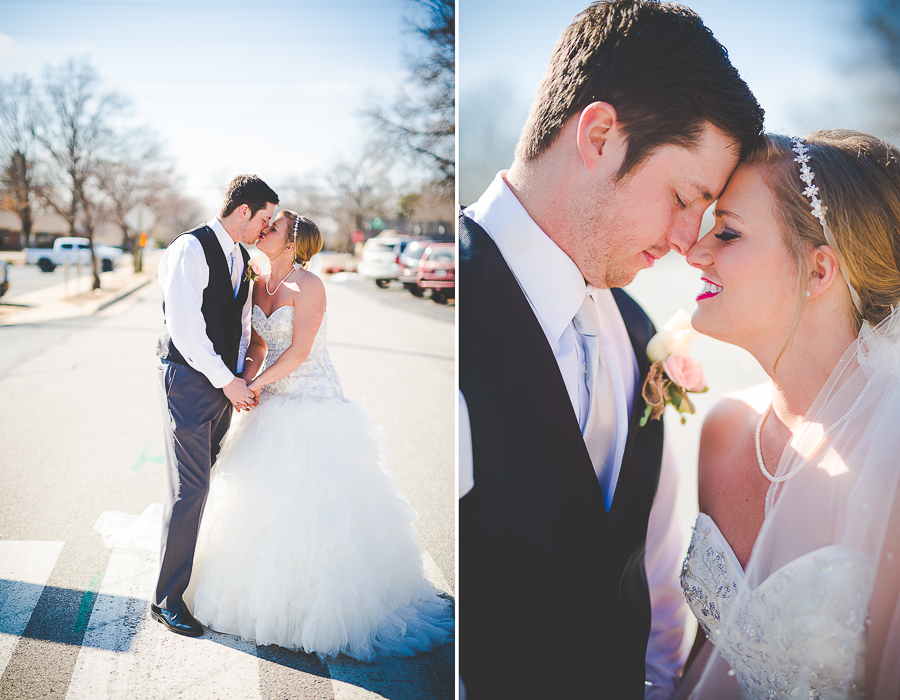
(240, 396)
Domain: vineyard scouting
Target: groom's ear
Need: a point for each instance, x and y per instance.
(823, 269)
(601, 143)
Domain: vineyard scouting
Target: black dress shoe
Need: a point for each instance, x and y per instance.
(179, 622)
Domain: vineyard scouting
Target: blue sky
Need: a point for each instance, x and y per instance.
(277, 87)
(274, 87)
(810, 63)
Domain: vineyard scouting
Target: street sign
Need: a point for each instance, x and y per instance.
(140, 218)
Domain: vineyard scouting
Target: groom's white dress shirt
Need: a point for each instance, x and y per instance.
(183, 275)
(555, 289)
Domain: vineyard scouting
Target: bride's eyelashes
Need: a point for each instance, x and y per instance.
(726, 235)
(679, 202)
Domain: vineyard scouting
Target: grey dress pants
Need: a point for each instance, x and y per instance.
(196, 416)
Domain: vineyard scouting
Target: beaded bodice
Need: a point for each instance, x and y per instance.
(798, 634)
(315, 377)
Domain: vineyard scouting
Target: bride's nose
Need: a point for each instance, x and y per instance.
(699, 255)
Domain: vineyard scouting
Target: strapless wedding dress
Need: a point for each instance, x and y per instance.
(800, 633)
(306, 540)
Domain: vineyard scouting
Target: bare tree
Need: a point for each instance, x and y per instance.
(175, 214)
(19, 114)
(422, 121)
(427, 212)
(360, 190)
(305, 196)
(133, 175)
(77, 132)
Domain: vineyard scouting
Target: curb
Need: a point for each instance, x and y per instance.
(119, 294)
(48, 306)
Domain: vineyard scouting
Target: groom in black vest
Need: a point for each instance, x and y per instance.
(568, 565)
(207, 303)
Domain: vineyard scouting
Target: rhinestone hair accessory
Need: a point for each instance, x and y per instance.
(807, 175)
(818, 209)
(296, 265)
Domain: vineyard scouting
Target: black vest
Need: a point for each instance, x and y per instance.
(221, 309)
(553, 600)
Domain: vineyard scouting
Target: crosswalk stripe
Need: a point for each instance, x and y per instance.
(25, 568)
(126, 654)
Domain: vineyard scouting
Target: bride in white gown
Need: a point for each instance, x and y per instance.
(306, 540)
(794, 566)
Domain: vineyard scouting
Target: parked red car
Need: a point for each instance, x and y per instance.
(437, 271)
(409, 266)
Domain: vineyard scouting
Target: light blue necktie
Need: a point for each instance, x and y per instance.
(600, 429)
(235, 270)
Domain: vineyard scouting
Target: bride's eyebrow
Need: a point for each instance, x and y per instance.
(726, 212)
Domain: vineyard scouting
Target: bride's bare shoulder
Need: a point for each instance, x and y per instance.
(729, 486)
(729, 426)
(739, 404)
(308, 290)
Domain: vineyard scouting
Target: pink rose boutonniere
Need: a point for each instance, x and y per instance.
(251, 274)
(674, 372)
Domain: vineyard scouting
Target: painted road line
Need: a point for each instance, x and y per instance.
(107, 656)
(144, 458)
(24, 570)
(87, 604)
(126, 654)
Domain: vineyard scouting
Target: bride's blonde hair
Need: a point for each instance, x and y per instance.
(858, 177)
(308, 241)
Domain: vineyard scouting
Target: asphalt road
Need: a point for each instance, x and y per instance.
(80, 434)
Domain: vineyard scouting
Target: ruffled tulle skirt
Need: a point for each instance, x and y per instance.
(306, 540)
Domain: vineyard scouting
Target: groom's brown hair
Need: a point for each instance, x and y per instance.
(249, 190)
(658, 65)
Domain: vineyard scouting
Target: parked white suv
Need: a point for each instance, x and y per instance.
(73, 250)
(381, 257)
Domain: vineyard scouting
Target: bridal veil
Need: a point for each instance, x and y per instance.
(821, 599)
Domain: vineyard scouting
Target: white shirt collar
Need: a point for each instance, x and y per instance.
(229, 245)
(550, 279)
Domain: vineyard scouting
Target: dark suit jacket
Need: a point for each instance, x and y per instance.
(553, 600)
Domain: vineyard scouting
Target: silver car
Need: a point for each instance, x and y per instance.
(381, 259)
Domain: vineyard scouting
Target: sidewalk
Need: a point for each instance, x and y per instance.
(51, 303)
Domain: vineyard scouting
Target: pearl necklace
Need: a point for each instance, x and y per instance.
(272, 293)
(781, 479)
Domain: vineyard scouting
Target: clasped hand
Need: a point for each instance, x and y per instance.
(241, 396)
